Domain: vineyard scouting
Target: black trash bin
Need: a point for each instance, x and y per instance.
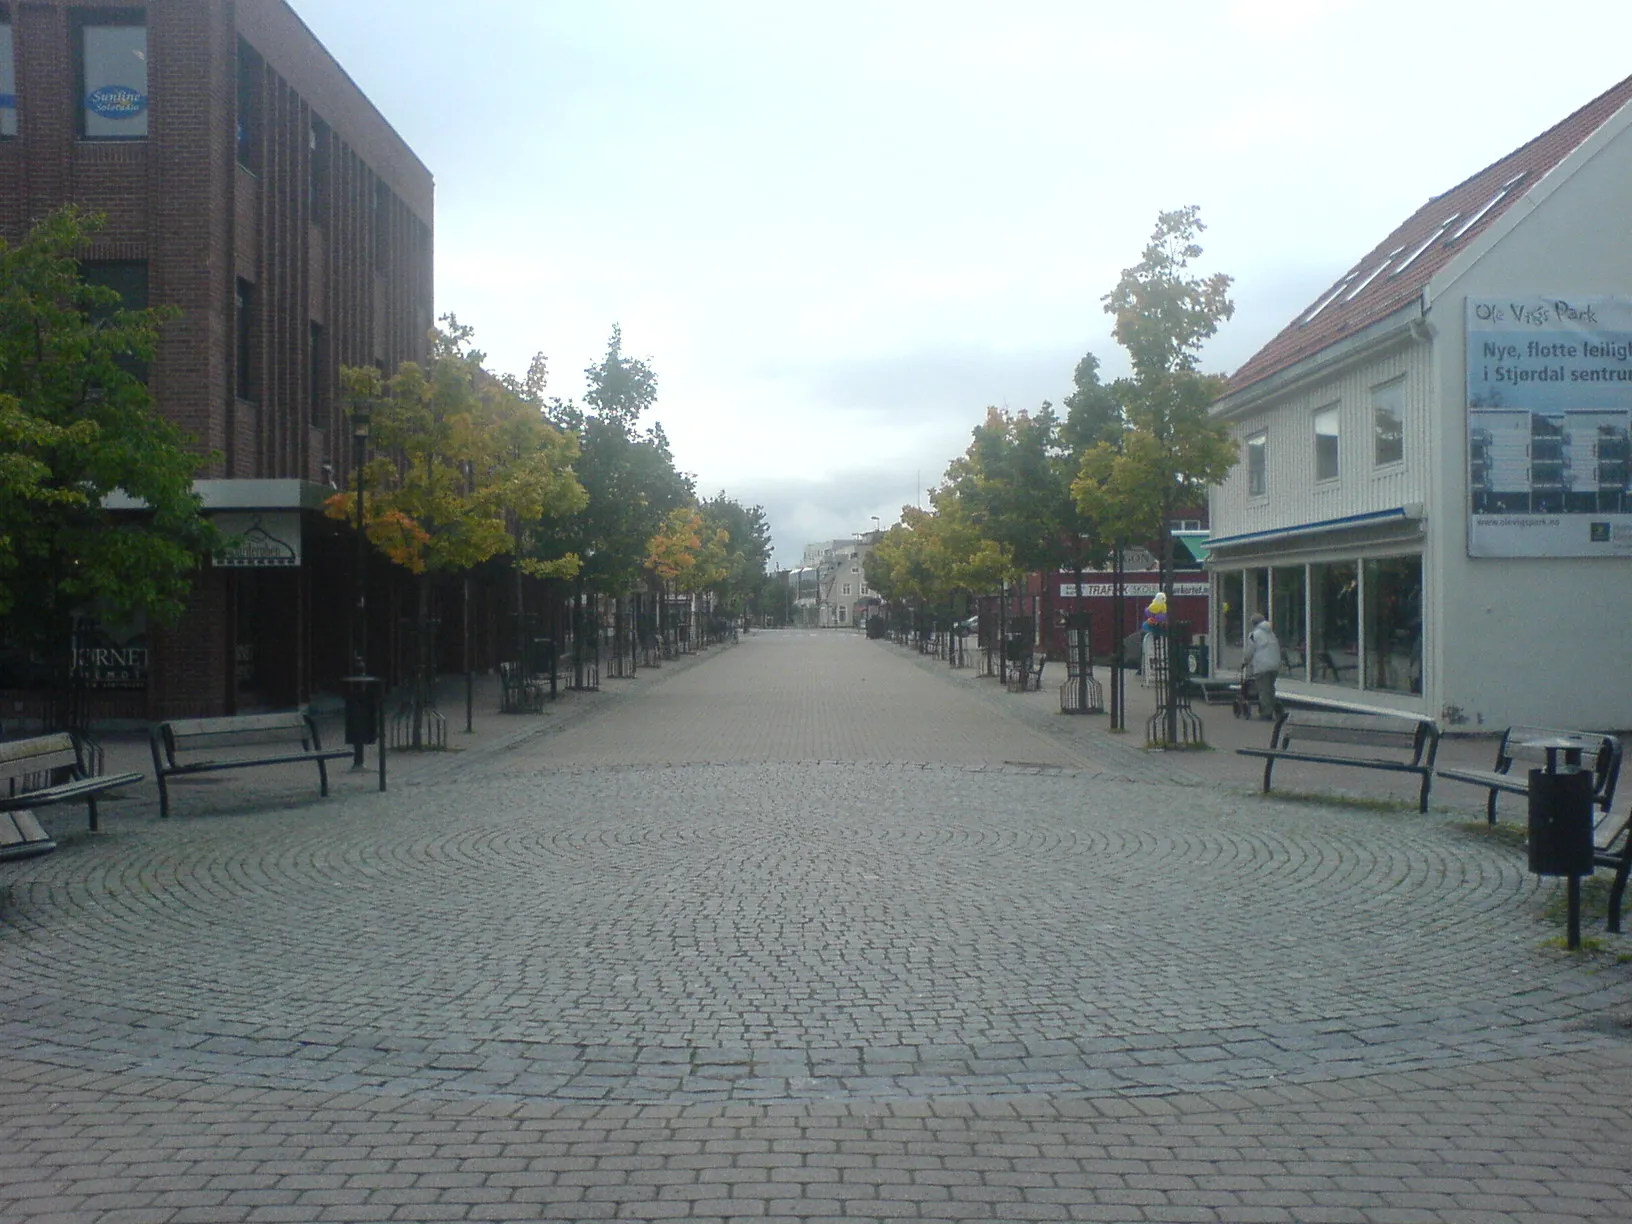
(1561, 822)
(362, 710)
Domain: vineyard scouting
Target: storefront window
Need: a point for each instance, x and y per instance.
(1287, 617)
(1334, 606)
(1257, 592)
(1229, 608)
(1394, 624)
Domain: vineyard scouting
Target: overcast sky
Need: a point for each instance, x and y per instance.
(839, 231)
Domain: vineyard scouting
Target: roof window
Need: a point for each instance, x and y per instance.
(1336, 292)
(1375, 273)
(1507, 190)
(1427, 242)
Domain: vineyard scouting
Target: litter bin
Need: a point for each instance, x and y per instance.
(1561, 822)
(364, 696)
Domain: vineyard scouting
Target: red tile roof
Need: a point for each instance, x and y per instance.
(1434, 234)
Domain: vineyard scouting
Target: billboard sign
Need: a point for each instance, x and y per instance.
(1549, 426)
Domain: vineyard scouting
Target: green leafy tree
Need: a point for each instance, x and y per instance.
(748, 552)
(1170, 451)
(629, 475)
(77, 423)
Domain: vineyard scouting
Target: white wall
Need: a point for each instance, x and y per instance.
(1291, 494)
(1531, 640)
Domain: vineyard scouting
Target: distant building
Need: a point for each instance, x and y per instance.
(247, 181)
(830, 584)
(1433, 504)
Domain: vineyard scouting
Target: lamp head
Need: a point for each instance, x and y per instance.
(362, 414)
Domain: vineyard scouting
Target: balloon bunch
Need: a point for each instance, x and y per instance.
(1156, 614)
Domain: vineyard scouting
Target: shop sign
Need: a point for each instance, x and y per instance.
(106, 658)
(116, 102)
(1130, 590)
(260, 540)
(1549, 426)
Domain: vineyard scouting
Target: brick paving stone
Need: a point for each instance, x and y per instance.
(807, 928)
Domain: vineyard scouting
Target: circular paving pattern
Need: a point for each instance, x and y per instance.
(781, 932)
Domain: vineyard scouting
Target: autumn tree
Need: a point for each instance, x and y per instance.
(77, 427)
(458, 460)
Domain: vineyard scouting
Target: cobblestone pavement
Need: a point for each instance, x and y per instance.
(807, 928)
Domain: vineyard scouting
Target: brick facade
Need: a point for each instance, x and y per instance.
(320, 212)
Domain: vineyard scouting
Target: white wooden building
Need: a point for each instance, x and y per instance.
(1433, 504)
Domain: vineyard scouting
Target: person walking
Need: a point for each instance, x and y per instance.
(1262, 662)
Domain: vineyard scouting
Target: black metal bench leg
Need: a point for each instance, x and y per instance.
(90, 802)
(1490, 808)
(1617, 894)
(1269, 767)
(164, 797)
(323, 777)
(1422, 796)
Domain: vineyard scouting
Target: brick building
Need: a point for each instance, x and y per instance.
(248, 182)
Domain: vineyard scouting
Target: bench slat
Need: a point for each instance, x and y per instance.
(237, 724)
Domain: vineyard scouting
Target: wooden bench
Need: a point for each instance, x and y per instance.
(1612, 848)
(1400, 743)
(41, 771)
(293, 733)
(1599, 752)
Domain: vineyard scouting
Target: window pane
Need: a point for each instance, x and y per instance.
(1334, 631)
(244, 357)
(1257, 447)
(1287, 618)
(1257, 592)
(1326, 444)
(318, 369)
(1229, 601)
(8, 83)
(1394, 624)
(249, 118)
(1388, 422)
(127, 277)
(114, 72)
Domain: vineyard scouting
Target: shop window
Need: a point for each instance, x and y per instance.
(1326, 443)
(1334, 629)
(8, 80)
(249, 107)
(1229, 605)
(1288, 616)
(1257, 470)
(1257, 592)
(244, 348)
(1394, 624)
(1388, 423)
(112, 72)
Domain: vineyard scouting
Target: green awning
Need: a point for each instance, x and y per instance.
(1195, 545)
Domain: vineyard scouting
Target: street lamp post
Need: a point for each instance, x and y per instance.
(361, 417)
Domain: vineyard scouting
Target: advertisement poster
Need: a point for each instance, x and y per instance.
(1549, 409)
